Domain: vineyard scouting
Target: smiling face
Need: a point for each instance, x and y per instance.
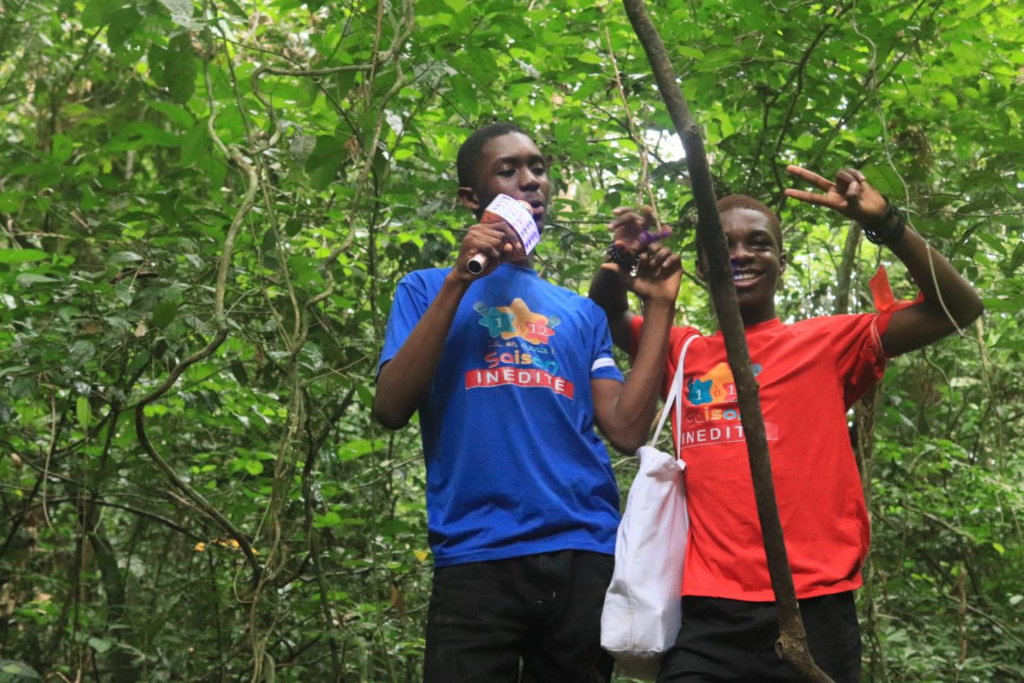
(757, 262)
(511, 165)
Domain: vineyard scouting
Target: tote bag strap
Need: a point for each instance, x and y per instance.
(675, 395)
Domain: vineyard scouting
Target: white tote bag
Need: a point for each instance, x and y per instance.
(641, 614)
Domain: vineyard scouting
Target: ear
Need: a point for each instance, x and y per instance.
(467, 195)
(783, 262)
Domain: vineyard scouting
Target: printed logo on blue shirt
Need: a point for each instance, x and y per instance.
(520, 353)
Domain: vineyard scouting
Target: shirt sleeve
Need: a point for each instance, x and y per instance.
(602, 365)
(859, 357)
(636, 326)
(677, 336)
(408, 306)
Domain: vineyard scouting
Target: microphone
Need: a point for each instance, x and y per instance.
(518, 214)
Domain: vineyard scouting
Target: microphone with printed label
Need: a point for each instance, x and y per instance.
(518, 215)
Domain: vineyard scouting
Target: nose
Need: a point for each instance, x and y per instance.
(528, 181)
(739, 254)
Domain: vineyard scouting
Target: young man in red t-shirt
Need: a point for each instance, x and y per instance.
(809, 374)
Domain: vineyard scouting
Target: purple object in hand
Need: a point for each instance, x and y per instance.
(647, 237)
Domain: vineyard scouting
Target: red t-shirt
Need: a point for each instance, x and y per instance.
(809, 374)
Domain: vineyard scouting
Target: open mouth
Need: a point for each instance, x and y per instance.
(742, 277)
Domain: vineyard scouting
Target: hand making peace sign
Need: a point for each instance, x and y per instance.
(850, 195)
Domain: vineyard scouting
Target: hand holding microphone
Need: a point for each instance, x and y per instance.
(517, 215)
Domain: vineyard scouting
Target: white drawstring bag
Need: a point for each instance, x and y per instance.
(641, 615)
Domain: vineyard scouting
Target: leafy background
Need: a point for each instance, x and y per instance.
(204, 212)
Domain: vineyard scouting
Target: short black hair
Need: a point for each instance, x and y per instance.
(473, 147)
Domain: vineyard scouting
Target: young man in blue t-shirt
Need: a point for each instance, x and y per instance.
(510, 375)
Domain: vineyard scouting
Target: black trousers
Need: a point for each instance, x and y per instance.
(534, 619)
(731, 641)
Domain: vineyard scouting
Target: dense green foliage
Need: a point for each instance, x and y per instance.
(205, 209)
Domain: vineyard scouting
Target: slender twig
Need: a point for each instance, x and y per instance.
(798, 75)
(49, 454)
(644, 185)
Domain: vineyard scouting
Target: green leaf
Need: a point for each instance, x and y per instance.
(140, 134)
(181, 11)
(123, 23)
(12, 670)
(238, 11)
(62, 148)
(357, 449)
(164, 314)
(12, 369)
(100, 645)
(885, 180)
(11, 201)
(464, 95)
(124, 257)
(174, 113)
(156, 58)
(999, 548)
(195, 145)
(1017, 258)
(180, 69)
(804, 142)
(328, 519)
(83, 411)
(326, 160)
(22, 255)
(97, 12)
(29, 279)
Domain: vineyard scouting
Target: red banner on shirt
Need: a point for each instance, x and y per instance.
(497, 377)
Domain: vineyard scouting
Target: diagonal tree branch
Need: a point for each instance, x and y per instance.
(233, 153)
(792, 643)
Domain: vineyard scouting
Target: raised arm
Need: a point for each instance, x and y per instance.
(404, 381)
(624, 411)
(608, 290)
(611, 282)
(944, 289)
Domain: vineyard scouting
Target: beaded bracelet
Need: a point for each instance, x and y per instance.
(889, 228)
(622, 257)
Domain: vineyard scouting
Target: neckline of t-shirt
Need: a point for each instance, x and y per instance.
(772, 324)
(528, 269)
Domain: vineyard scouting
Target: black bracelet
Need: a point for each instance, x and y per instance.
(889, 228)
(622, 257)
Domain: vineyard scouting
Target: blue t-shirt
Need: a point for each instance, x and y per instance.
(514, 466)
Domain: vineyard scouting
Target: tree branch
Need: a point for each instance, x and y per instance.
(792, 643)
(233, 153)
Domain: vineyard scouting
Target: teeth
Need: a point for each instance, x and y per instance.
(740, 277)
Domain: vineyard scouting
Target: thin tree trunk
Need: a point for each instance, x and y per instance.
(845, 275)
(864, 446)
(792, 643)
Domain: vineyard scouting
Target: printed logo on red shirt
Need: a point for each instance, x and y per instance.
(704, 424)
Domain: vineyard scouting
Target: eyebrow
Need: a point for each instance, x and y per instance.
(760, 232)
(512, 159)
